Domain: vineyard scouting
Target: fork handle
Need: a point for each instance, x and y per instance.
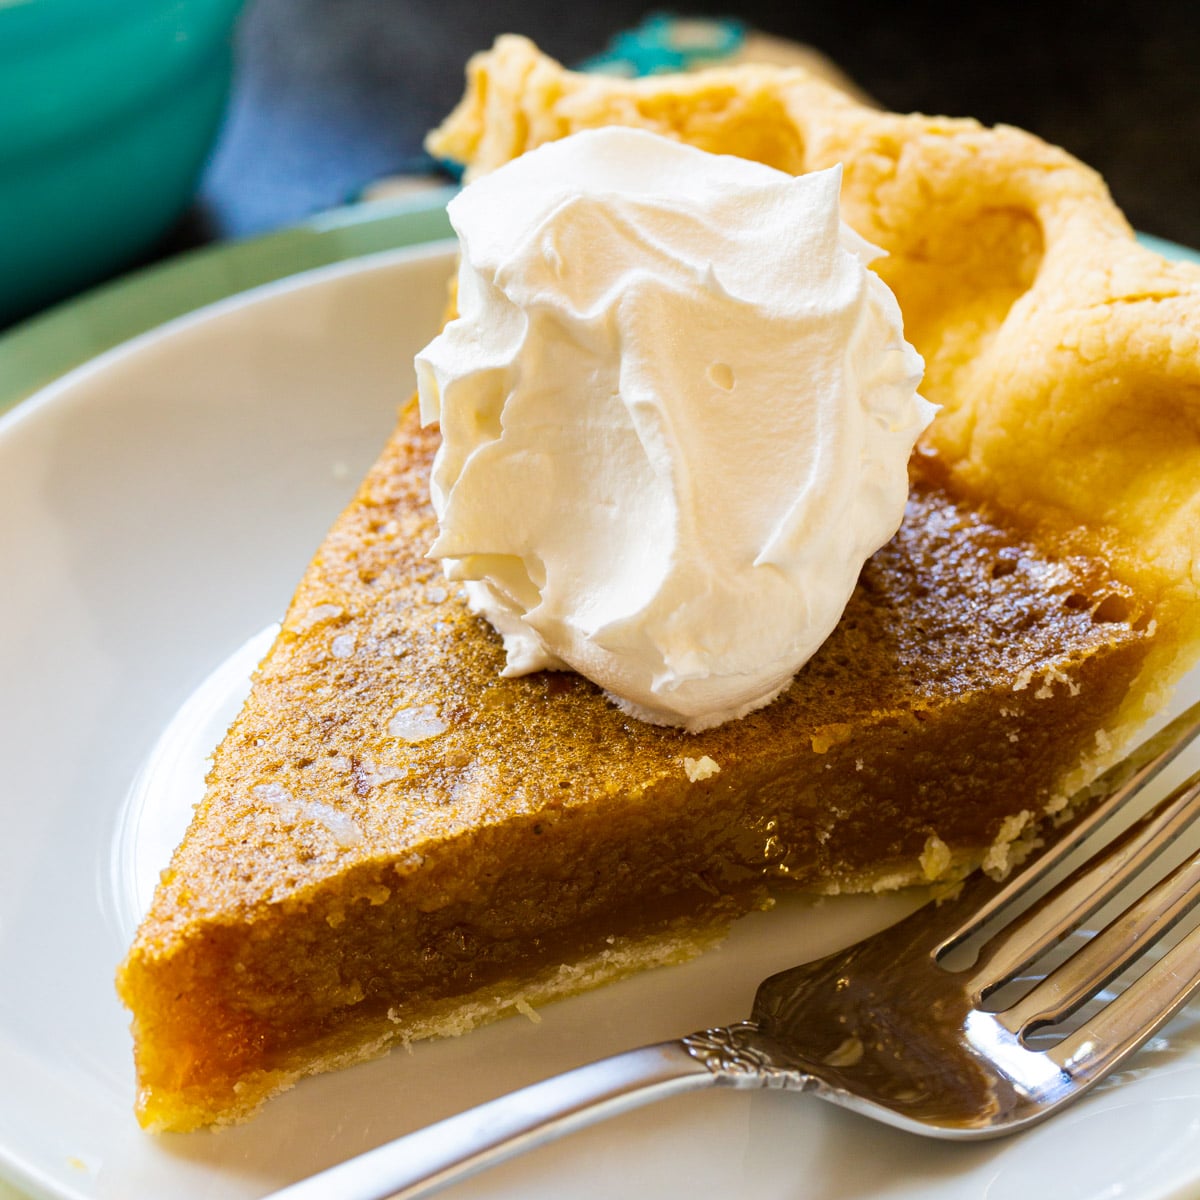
(440, 1154)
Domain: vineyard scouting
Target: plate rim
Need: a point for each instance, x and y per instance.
(37, 351)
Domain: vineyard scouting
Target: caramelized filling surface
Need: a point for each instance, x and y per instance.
(338, 872)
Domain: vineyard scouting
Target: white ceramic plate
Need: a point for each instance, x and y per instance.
(156, 509)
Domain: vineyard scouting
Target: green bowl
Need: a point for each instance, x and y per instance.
(108, 109)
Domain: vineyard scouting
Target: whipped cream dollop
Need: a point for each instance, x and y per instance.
(677, 409)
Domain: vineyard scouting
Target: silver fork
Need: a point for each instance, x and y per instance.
(890, 1028)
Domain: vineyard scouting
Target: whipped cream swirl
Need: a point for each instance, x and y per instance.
(677, 409)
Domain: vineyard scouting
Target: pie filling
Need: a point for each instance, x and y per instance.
(344, 888)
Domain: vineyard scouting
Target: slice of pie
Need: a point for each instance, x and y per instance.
(397, 842)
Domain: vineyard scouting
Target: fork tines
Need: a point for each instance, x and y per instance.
(1147, 1002)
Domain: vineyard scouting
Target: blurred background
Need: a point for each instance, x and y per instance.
(330, 95)
(334, 92)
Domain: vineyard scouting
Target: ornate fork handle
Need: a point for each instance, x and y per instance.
(440, 1154)
(736, 1057)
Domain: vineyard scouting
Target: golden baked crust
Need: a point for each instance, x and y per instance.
(398, 842)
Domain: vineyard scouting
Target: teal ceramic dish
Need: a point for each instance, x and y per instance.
(108, 109)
